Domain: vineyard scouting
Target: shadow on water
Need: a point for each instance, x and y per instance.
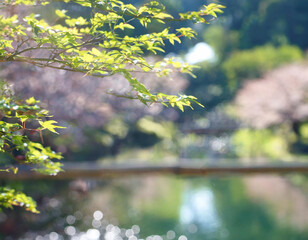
(155, 207)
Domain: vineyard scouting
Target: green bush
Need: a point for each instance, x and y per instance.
(263, 143)
(254, 62)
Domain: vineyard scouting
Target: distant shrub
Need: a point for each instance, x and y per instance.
(263, 143)
(253, 63)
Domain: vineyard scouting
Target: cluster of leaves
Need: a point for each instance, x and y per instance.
(199, 17)
(99, 45)
(10, 197)
(14, 141)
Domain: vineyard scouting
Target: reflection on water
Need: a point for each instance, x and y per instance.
(199, 208)
(169, 208)
(289, 202)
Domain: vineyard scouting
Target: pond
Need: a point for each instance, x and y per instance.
(167, 207)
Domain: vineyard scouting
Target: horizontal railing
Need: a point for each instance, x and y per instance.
(93, 170)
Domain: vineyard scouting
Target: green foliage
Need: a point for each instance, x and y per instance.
(276, 22)
(252, 63)
(304, 131)
(163, 130)
(49, 125)
(9, 198)
(259, 143)
(16, 116)
(117, 127)
(167, 133)
(99, 45)
(198, 17)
